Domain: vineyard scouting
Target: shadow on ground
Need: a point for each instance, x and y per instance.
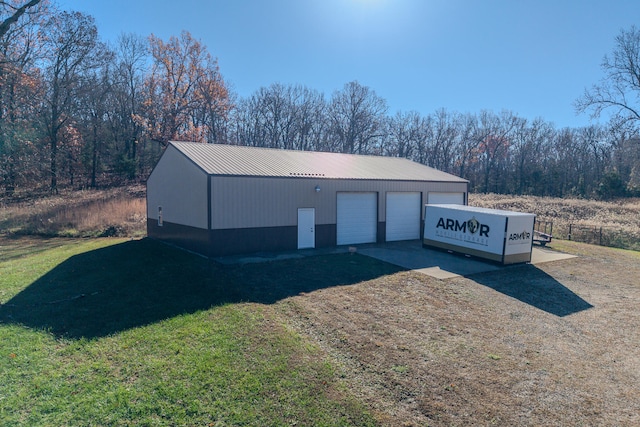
(533, 286)
(136, 283)
(21, 246)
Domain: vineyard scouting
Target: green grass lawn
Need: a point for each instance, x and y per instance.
(115, 332)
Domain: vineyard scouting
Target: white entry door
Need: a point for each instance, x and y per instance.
(306, 228)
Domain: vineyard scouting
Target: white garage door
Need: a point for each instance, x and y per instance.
(403, 216)
(357, 218)
(445, 198)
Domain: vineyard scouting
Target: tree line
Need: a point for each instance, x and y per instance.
(77, 112)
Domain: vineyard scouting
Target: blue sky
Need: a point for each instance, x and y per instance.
(532, 57)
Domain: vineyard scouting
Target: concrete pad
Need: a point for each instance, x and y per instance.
(439, 264)
(437, 272)
(410, 255)
(540, 255)
(442, 264)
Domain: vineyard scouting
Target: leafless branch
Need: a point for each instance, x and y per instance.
(6, 24)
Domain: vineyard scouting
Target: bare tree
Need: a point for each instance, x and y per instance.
(529, 145)
(247, 129)
(356, 116)
(19, 87)
(446, 134)
(124, 100)
(422, 151)
(403, 134)
(93, 108)
(274, 110)
(132, 52)
(471, 136)
(72, 40)
(494, 147)
(282, 116)
(311, 123)
(619, 89)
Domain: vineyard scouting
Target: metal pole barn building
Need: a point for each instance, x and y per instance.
(221, 200)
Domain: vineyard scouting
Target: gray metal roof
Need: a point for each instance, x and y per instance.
(233, 160)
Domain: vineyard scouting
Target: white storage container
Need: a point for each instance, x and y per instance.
(497, 235)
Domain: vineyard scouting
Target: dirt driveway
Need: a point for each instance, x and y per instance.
(552, 344)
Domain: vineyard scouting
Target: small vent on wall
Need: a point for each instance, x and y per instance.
(305, 174)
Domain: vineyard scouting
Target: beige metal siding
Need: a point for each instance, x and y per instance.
(445, 198)
(247, 202)
(180, 187)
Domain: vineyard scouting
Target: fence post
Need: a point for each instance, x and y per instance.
(600, 236)
(569, 231)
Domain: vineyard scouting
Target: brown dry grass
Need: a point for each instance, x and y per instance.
(554, 344)
(87, 213)
(623, 214)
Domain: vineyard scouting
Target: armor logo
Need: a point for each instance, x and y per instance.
(473, 225)
(525, 235)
